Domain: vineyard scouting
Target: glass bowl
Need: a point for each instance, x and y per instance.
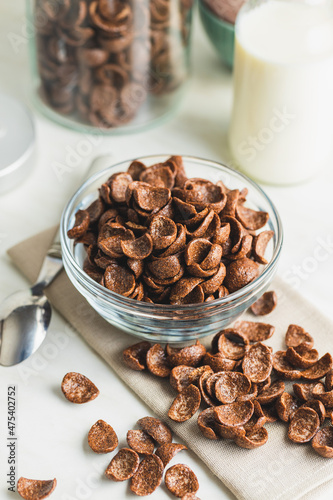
(170, 323)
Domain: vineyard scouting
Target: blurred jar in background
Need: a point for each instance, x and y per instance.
(282, 120)
(109, 64)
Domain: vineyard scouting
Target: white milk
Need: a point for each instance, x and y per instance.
(282, 122)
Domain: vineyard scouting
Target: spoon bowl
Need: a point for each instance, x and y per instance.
(24, 320)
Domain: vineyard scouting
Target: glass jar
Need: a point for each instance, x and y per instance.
(109, 65)
(282, 119)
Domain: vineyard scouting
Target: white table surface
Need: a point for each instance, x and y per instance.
(51, 432)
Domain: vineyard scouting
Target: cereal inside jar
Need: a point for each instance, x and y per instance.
(109, 64)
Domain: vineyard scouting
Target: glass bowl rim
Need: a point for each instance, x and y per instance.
(107, 294)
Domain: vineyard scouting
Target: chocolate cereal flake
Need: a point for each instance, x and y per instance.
(140, 442)
(180, 377)
(322, 442)
(260, 243)
(185, 404)
(329, 380)
(254, 438)
(286, 405)
(269, 395)
(304, 391)
(218, 362)
(81, 225)
(318, 407)
(231, 343)
(251, 395)
(208, 399)
(230, 386)
(210, 384)
(138, 249)
(119, 279)
(190, 356)
(240, 273)
(95, 210)
(319, 369)
(118, 186)
(102, 437)
(296, 335)
(229, 432)
(159, 431)
(168, 450)
(251, 219)
(258, 418)
(325, 397)
(157, 361)
(78, 389)
(234, 414)
(300, 357)
(148, 476)
(255, 332)
(258, 363)
(123, 466)
(135, 169)
(149, 198)
(183, 288)
(35, 489)
(180, 479)
(135, 355)
(165, 268)
(265, 305)
(212, 284)
(283, 368)
(136, 266)
(163, 232)
(270, 413)
(303, 425)
(197, 372)
(207, 423)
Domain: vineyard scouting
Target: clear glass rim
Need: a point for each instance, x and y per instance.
(106, 294)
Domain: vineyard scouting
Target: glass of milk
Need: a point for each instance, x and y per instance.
(281, 129)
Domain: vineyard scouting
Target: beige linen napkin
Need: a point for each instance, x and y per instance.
(280, 470)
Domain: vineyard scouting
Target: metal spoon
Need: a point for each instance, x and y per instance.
(25, 315)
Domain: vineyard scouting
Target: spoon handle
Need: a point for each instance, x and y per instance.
(51, 266)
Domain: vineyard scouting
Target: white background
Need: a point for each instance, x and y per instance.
(52, 432)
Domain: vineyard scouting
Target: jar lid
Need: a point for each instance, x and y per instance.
(17, 142)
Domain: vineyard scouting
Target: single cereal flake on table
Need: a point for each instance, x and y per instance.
(78, 389)
(35, 489)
